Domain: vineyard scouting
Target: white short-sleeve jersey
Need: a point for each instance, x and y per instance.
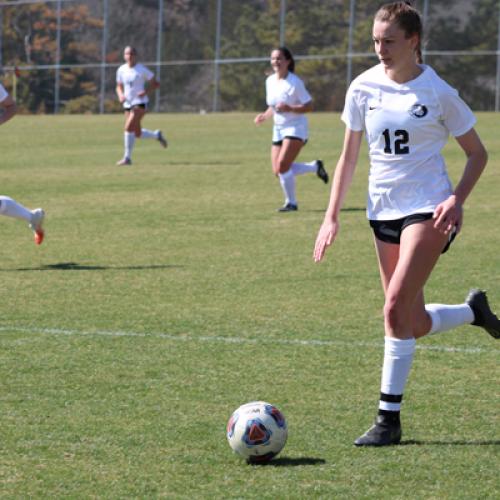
(3, 93)
(134, 81)
(406, 126)
(292, 91)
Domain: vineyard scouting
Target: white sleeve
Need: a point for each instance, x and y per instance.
(352, 115)
(148, 74)
(119, 76)
(302, 93)
(458, 117)
(3, 93)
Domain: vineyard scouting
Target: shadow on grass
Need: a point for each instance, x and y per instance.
(346, 209)
(74, 266)
(204, 164)
(418, 442)
(291, 462)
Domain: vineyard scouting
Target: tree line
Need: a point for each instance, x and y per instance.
(315, 30)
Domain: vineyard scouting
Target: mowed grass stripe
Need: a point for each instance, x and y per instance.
(353, 344)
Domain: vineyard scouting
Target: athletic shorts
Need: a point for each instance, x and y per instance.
(280, 143)
(291, 132)
(135, 106)
(390, 230)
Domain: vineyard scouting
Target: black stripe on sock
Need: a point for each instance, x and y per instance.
(391, 398)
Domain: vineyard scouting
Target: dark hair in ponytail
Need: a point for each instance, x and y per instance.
(289, 57)
(132, 49)
(408, 19)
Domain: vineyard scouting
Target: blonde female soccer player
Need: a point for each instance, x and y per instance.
(8, 206)
(406, 111)
(288, 100)
(133, 84)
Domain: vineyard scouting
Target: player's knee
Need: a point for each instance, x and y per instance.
(394, 313)
(282, 167)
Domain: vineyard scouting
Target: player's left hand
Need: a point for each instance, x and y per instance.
(448, 215)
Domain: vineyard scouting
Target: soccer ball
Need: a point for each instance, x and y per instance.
(257, 431)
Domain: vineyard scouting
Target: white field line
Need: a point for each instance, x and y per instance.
(235, 340)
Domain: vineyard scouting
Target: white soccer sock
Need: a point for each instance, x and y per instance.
(287, 181)
(129, 139)
(12, 208)
(304, 168)
(398, 357)
(445, 317)
(148, 134)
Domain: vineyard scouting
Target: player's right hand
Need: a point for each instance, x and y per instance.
(261, 117)
(326, 236)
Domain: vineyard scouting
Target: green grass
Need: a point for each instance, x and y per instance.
(171, 292)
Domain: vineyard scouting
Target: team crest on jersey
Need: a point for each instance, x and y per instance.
(418, 110)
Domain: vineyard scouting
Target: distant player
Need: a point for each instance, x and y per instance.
(133, 84)
(8, 206)
(406, 111)
(288, 100)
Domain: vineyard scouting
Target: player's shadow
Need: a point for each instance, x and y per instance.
(74, 266)
(346, 209)
(292, 462)
(217, 163)
(419, 442)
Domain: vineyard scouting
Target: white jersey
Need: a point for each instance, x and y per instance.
(134, 81)
(292, 91)
(406, 126)
(3, 93)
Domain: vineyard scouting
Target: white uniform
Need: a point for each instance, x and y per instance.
(133, 80)
(406, 126)
(292, 91)
(3, 93)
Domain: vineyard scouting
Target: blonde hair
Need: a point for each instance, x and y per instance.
(407, 18)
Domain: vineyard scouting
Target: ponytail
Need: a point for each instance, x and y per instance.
(289, 57)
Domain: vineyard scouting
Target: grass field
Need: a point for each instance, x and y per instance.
(168, 293)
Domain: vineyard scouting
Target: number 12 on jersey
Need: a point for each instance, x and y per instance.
(401, 137)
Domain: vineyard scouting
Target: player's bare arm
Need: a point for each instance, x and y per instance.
(262, 117)
(120, 93)
(149, 86)
(294, 108)
(449, 214)
(341, 181)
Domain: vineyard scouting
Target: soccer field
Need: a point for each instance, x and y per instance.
(168, 293)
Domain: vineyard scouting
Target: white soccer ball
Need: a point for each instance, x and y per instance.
(257, 431)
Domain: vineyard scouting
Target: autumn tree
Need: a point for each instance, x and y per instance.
(30, 43)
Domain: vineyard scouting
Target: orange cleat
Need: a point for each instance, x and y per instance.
(39, 236)
(37, 218)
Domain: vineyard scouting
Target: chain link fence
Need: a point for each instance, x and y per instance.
(213, 55)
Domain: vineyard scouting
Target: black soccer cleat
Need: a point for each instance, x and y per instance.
(483, 315)
(385, 432)
(161, 139)
(321, 172)
(289, 207)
